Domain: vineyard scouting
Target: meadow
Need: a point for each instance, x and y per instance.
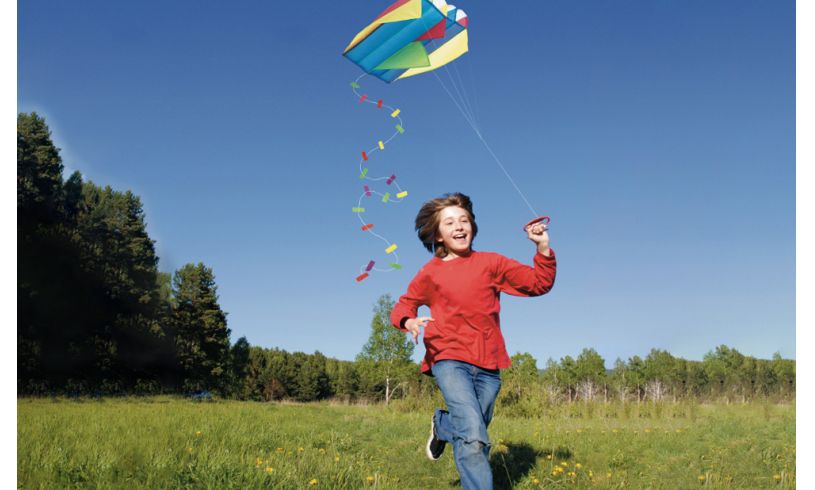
(166, 442)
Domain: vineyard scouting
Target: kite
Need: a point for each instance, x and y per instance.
(409, 38)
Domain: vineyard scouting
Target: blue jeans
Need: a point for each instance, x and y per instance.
(469, 392)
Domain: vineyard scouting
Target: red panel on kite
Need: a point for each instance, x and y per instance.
(436, 32)
(393, 7)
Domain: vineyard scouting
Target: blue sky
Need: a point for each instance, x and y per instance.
(660, 137)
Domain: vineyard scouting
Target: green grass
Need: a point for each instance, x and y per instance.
(172, 443)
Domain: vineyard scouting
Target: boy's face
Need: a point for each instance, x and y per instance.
(455, 230)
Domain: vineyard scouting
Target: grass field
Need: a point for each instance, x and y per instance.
(174, 443)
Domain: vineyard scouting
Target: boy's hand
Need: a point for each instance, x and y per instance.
(538, 233)
(415, 324)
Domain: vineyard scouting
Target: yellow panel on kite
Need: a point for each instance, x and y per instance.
(446, 53)
(412, 9)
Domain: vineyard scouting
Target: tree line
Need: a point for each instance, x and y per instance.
(95, 315)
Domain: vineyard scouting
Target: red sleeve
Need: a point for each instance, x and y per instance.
(418, 294)
(519, 279)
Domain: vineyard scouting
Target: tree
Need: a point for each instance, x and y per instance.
(520, 378)
(387, 354)
(590, 372)
(202, 336)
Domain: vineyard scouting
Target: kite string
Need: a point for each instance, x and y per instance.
(489, 149)
(469, 117)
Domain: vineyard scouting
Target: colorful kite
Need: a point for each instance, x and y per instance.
(410, 37)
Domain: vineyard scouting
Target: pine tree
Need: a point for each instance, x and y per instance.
(202, 337)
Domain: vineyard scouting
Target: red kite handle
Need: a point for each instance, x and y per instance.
(540, 219)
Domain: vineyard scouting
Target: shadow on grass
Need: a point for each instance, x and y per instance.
(511, 462)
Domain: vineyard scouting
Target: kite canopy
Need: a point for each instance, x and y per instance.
(410, 37)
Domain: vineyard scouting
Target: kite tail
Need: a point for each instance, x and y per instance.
(395, 194)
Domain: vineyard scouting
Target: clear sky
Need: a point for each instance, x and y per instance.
(659, 135)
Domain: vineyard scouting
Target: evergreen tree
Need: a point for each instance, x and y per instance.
(202, 337)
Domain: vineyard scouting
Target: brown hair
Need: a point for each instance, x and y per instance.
(428, 219)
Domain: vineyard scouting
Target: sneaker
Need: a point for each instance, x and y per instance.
(435, 446)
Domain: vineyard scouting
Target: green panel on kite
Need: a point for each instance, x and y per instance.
(414, 55)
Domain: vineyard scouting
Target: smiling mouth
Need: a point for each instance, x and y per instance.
(462, 236)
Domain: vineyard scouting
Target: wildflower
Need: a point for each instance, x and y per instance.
(336, 459)
(300, 450)
(313, 481)
(615, 431)
(701, 478)
(572, 473)
(281, 450)
(370, 479)
(269, 470)
(535, 481)
(322, 451)
(554, 473)
(608, 475)
(578, 465)
(258, 461)
(549, 457)
(647, 431)
(591, 474)
(189, 449)
(777, 477)
(198, 433)
(579, 431)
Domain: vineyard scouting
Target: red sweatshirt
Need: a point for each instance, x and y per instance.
(464, 299)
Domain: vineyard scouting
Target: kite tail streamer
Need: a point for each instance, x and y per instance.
(394, 195)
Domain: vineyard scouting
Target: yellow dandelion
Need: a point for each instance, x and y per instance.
(370, 479)
(198, 433)
(701, 478)
(591, 474)
(269, 470)
(322, 451)
(336, 459)
(313, 481)
(258, 461)
(647, 431)
(554, 473)
(777, 477)
(300, 450)
(535, 481)
(281, 450)
(549, 457)
(564, 464)
(189, 449)
(578, 465)
(572, 473)
(579, 431)
(608, 475)
(615, 431)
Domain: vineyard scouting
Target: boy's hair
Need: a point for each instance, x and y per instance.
(428, 220)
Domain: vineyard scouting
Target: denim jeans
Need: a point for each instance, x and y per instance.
(470, 393)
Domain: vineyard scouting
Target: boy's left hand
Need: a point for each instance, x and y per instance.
(539, 234)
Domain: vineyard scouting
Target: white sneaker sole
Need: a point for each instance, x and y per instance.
(430, 439)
